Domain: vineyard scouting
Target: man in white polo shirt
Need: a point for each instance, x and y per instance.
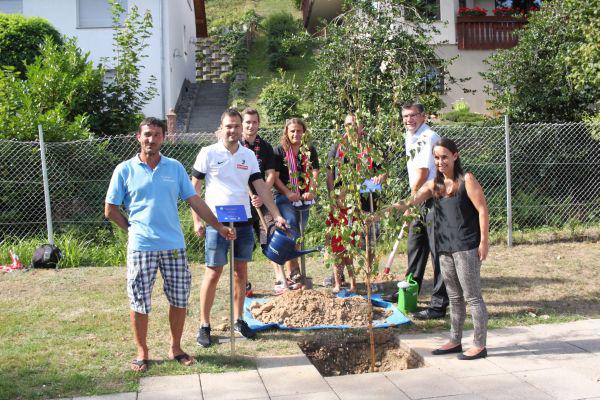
(419, 142)
(228, 169)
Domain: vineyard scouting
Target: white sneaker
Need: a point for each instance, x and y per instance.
(279, 288)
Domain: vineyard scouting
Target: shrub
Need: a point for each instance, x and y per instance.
(553, 73)
(298, 4)
(279, 27)
(280, 99)
(62, 87)
(277, 60)
(280, 24)
(464, 117)
(461, 105)
(21, 38)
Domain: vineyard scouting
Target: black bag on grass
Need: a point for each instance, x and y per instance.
(46, 256)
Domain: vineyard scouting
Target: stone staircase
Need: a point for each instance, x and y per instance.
(203, 101)
(209, 103)
(212, 63)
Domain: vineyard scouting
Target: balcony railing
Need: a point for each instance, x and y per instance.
(487, 33)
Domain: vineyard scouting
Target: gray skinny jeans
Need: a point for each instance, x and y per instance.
(461, 273)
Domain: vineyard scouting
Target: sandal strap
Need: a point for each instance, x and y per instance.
(182, 357)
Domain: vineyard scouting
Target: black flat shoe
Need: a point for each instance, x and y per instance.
(429, 313)
(481, 354)
(455, 349)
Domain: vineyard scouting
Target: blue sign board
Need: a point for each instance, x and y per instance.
(368, 186)
(235, 213)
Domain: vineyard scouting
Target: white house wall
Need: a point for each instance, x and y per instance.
(98, 41)
(446, 25)
(468, 64)
(180, 39)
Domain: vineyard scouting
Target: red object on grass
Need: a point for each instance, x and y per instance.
(16, 263)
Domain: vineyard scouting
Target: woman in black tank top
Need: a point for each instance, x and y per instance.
(461, 225)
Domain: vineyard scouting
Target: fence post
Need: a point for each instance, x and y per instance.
(46, 186)
(171, 125)
(509, 237)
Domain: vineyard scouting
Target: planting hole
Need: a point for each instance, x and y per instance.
(336, 354)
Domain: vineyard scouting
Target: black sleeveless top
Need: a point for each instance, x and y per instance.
(456, 222)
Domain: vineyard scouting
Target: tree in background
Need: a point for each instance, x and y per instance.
(21, 38)
(60, 90)
(553, 72)
(125, 93)
(374, 59)
(583, 59)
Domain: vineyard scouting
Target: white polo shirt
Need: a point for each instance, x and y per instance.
(419, 150)
(227, 175)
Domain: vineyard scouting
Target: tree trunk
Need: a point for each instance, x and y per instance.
(370, 305)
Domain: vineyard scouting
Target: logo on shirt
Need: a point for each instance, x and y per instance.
(242, 165)
(220, 162)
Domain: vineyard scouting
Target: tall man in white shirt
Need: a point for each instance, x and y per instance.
(419, 142)
(228, 169)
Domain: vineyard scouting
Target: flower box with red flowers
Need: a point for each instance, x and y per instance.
(505, 12)
(472, 12)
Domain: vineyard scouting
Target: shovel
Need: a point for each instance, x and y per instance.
(307, 281)
(390, 260)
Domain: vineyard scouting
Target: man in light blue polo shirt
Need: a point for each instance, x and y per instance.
(149, 185)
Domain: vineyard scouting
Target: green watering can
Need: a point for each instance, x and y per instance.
(408, 291)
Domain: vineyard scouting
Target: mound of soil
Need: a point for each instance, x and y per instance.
(306, 308)
(350, 354)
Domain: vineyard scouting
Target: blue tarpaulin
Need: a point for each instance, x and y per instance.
(395, 319)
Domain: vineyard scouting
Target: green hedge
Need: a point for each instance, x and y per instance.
(20, 39)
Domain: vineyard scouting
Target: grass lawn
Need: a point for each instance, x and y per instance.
(216, 9)
(259, 74)
(66, 332)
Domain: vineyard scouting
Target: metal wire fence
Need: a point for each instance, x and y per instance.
(553, 180)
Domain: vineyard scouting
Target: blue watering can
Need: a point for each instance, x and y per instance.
(281, 247)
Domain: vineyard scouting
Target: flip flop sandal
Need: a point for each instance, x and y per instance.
(141, 364)
(183, 358)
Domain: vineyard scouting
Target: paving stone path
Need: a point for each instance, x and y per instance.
(558, 361)
(209, 103)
